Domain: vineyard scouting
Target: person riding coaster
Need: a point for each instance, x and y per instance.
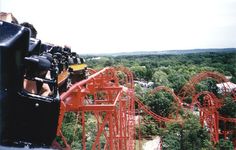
(27, 118)
(37, 67)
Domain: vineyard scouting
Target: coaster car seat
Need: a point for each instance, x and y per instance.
(25, 119)
(34, 46)
(77, 68)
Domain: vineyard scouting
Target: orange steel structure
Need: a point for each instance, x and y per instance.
(189, 88)
(210, 104)
(111, 104)
(208, 112)
(109, 96)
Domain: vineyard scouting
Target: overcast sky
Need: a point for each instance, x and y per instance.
(105, 26)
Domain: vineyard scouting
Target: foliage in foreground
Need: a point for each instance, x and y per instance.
(186, 136)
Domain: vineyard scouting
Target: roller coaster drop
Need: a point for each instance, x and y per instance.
(34, 120)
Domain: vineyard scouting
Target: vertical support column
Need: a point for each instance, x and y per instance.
(83, 132)
(120, 125)
(139, 131)
(126, 125)
(133, 115)
(216, 120)
(111, 131)
(224, 132)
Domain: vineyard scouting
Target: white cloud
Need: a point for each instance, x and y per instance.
(130, 25)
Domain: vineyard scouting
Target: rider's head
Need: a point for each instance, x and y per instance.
(36, 66)
(31, 27)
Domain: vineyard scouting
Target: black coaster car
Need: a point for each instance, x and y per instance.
(25, 118)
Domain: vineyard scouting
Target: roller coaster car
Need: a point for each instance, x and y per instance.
(61, 58)
(71, 67)
(45, 47)
(26, 118)
(78, 68)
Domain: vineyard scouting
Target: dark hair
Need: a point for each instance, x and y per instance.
(31, 27)
(35, 65)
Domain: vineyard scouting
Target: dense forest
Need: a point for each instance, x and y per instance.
(171, 67)
(172, 71)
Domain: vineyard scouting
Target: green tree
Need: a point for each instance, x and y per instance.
(177, 81)
(161, 103)
(188, 136)
(139, 71)
(225, 145)
(229, 108)
(160, 78)
(148, 74)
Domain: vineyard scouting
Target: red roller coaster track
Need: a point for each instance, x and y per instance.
(210, 105)
(111, 101)
(111, 104)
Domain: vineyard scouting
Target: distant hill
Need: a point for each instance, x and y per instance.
(167, 52)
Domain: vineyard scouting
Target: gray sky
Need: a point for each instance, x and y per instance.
(105, 26)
